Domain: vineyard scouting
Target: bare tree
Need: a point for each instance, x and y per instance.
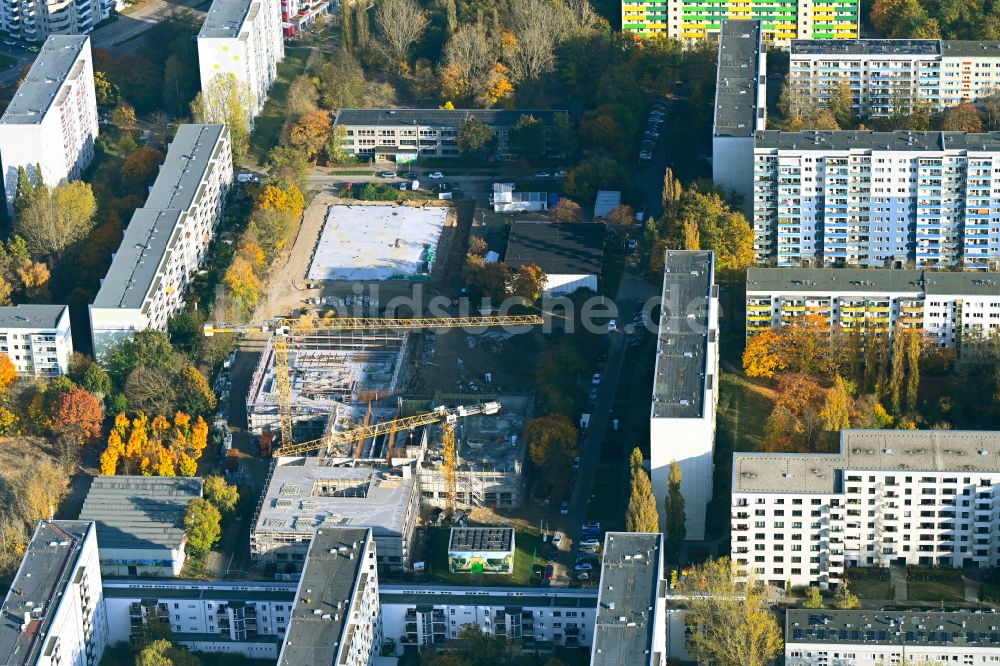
(469, 58)
(401, 23)
(538, 26)
(583, 14)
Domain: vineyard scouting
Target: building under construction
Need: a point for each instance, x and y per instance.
(303, 494)
(490, 454)
(331, 373)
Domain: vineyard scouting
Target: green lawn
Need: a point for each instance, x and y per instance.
(268, 124)
(526, 547)
(872, 589)
(989, 591)
(933, 590)
(742, 412)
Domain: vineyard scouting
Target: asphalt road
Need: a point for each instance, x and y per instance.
(116, 37)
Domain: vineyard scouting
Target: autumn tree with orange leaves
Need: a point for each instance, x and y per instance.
(310, 133)
(77, 414)
(160, 447)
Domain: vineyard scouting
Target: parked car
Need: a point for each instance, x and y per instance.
(590, 529)
(435, 175)
(410, 175)
(550, 571)
(593, 395)
(557, 539)
(576, 462)
(645, 156)
(596, 379)
(612, 326)
(583, 575)
(590, 542)
(386, 174)
(583, 566)
(560, 174)
(564, 507)
(543, 174)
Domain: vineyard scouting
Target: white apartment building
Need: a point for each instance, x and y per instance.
(875, 199)
(37, 338)
(926, 498)
(403, 135)
(52, 120)
(242, 617)
(948, 307)
(336, 617)
(36, 20)
(167, 238)
(878, 638)
(54, 611)
(423, 616)
(242, 38)
(740, 106)
(888, 76)
(686, 383)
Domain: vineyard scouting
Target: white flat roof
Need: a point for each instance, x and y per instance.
(368, 242)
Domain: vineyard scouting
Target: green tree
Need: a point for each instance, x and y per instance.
(676, 531)
(147, 348)
(123, 117)
(552, 445)
(341, 81)
(105, 91)
(527, 137)
(161, 652)
(897, 379)
(202, 524)
(913, 349)
(813, 598)
(729, 617)
(28, 194)
(641, 515)
(476, 138)
(57, 219)
(563, 137)
(223, 495)
(227, 100)
(844, 599)
(841, 105)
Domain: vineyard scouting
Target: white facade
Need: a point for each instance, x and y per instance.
(873, 638)
(52, 121)
(566, 284)
(888, 76)
(950, 308)
(242, 38)
(37, 339)
(685, 385)
(167, 239)
(876, 199)
(926, 498)
(425, 616)
(54, 612)
(243, 617)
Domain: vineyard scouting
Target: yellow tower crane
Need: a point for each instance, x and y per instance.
(285, 328)
(447, 417)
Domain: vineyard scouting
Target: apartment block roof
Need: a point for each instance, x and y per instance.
(909, 628)
(140, 511)
(47, 567)
(681, 371)
(895, 48)
(145, 248)
(736, 81)
(31, 316)
(884, 450)
(226, 18)
(518, 597)
(871, 280)
(902, 141)
(191, 152)
(481, 539)
(132, 588)
(323, 602)
(558, 249)
(441, 117)
(53, 65)
(630, 582)
(305, 494)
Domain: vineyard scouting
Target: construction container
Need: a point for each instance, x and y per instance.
(266, 441)
(232, 460)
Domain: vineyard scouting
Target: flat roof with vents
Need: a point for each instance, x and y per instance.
(53, 65)
(885, 450)
(872, 280)
(907, 628)
(482, 539)
(737, 106)
(32, 316)
(225, 18)
(901, 141)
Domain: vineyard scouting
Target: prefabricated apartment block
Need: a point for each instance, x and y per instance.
(167, 239)
(51, 123)
(37, 339)
(686, 383)
(922, 498)
(241, 38)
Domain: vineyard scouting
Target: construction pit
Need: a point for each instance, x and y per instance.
(377, 242)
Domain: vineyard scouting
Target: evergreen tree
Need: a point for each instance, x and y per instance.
(24, 193)
(674, 512)
(346, 27)
(361, 23)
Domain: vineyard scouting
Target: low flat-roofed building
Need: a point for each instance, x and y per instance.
(506, 199)
(304, 494)
(167, 239)
(140, 522)
(54, 611)
(37, 338)
(686, 383)
(631, 616)
(239, 617)
(875, 638)
(336, 617)
(481, 550)
(955, 474)
(606, 201)
(570, 255)
(51, 122)
(537, 619)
